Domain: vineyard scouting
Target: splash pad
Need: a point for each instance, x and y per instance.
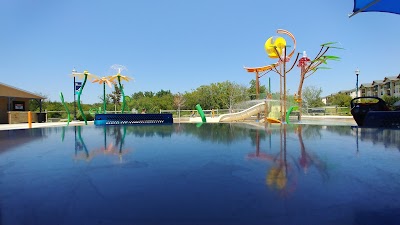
(103, 118)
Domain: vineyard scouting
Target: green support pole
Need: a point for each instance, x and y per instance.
(79, 100)
(66, 108)
(123, 95)
(200, 110)
(104, 98)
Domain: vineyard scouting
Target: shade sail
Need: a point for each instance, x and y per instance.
(388, 6)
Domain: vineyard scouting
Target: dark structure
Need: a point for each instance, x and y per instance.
(14, 105)
(117, 119)
(374, 114)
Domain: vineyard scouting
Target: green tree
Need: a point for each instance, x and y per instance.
(163, 93)
(232, 94)
(191, 99)
(390, 100)
(252, 90)
(221, 95)
(115, 96)
(341, 100)
(179, 101)
(312, 96)
(34, 104)
(54, 106)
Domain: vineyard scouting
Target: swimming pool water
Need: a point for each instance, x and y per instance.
(208, 174)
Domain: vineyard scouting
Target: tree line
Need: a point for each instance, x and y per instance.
(221, 95)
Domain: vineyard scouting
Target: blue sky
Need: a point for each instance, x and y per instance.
(179, 45)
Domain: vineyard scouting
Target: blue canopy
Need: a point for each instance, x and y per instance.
(389, 6)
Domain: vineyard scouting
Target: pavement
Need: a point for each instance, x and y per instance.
(318, 120)
(39, 125)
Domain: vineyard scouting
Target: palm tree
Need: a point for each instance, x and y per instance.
(103, 81)
(309, 67)
(118, 77)
(85, 75)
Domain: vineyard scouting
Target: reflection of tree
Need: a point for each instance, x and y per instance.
(79, 143)
(151, 130)
(282, 176)
(312, 131)
(216, 133)
(340, 130)
(219, 133)
(307, 159)
(258, 154)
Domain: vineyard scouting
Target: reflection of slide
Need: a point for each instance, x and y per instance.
(242, 114)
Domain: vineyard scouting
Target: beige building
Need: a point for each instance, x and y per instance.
(389, 86)
(14, 105)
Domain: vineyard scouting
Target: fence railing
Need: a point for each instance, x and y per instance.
(326, 110)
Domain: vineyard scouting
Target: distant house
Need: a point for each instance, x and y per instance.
(351, 93)
(14, 105)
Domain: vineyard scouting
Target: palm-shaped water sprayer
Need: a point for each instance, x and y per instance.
(85, 75)
(308, 67)
(120, 77)
(103, 81)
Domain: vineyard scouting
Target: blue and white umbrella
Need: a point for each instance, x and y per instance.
(388, 6)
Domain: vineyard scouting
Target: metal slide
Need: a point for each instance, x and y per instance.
(242, 114)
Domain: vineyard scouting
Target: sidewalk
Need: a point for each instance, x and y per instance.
(39, 125)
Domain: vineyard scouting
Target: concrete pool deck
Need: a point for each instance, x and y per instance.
(317, 120)
(40, 125)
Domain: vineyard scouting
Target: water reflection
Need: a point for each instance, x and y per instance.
(231, 173)
(389, 138)
(112, 148)
(282, 176)
(10, 139)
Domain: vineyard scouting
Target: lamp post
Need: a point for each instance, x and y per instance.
(74, 71)
(357, 73)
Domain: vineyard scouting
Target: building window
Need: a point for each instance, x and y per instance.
(18, 106)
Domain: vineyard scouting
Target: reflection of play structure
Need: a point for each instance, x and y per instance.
(82, 152)
(282, 176)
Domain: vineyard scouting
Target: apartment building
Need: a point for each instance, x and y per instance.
(389, 86)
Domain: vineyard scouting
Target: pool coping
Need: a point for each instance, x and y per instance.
(318, 120)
